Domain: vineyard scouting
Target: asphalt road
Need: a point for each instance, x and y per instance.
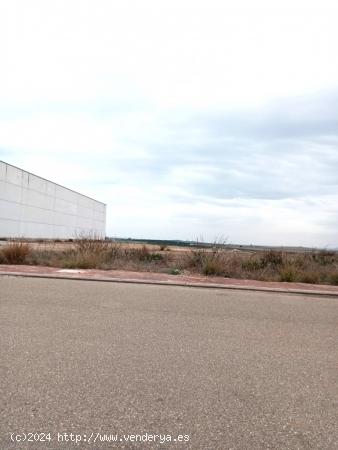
(229, 369)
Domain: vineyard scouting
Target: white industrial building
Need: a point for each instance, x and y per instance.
(33, 207)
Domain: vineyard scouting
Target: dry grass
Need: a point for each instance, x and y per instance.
(318, 267)
(208, 261)
(15, 253)
(90, 253)
(86, 253)
(334, 278)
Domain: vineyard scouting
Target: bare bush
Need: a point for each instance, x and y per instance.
(90, 253)
(333, 279)
(207, 260)
(15, 252)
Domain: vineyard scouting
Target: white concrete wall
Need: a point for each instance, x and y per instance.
(33, 207)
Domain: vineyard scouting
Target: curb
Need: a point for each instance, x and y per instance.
(312, 293)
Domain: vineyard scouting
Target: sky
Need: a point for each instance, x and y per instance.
(189, 119)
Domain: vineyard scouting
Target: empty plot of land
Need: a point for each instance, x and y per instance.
(230, 370)
(311, 267)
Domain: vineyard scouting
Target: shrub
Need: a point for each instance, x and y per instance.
(309, 277)
(209, 261)
(302, 261)
(2, 257)
(287, 273)
(90, 253)
(272, 257)
(334, 278)
(324, 257)
(114, 251)
(251, 265)
(213, 267)
(92, 246)
(44, 257)
(139, 254)
(16, 252)
(76, 261)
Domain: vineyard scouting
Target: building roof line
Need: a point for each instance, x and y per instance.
(50, 181)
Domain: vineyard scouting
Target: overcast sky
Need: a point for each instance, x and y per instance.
(188, 118)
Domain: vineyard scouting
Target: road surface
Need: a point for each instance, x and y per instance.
(213, 369)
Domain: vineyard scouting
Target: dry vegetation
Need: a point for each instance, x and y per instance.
(306, 267)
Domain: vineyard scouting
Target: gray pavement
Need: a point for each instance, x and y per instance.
(230, 369)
